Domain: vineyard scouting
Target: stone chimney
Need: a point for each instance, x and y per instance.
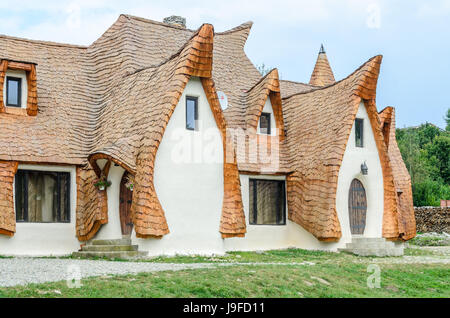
(176, 20)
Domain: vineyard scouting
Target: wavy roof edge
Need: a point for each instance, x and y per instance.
(318, 88)
(243, 26)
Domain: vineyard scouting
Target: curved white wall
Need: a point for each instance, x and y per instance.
(112, 230)
(260, 237)
(265, 237)
(372, 182)
(45, 239)
(189, 182)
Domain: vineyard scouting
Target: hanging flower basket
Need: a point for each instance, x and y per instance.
(130, 182)
(102, 184)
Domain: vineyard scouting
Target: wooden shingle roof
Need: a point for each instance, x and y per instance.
(322, 74)
(114, 98)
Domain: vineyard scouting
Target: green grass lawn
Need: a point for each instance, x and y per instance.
(331, 275)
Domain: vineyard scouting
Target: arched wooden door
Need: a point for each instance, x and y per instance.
(357, 207)
(126, 196)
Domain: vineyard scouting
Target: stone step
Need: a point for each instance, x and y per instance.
(122, 241)
(381, 252)
(370, 245)
(109, 248)
(119, 254)
(362, 239)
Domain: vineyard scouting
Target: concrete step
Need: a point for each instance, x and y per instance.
(381, 252)
(370, 245)
(122, 241)
(109, 248)
(119, 254)
(362, 239)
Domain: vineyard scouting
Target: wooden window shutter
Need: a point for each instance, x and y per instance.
(32, 108)
(3, 68)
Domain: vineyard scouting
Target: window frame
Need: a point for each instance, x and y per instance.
(68, 205)
(195, 100)
(19, 91)
(359, 122)
(269, 128)
(280, 200)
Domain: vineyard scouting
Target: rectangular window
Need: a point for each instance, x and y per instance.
(264, 124)
(13, 91)
(267, 202)
(42, 197)
(359, 128)
(191, 112)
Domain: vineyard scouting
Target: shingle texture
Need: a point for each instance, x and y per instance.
(322, 74)
(319, 124)
(402, 180)
(7, 216)
(113, 100)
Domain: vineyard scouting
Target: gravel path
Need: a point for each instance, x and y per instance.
(22, 271)
(412, 260)
(438, 250)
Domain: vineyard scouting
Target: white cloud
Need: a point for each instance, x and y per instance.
(437, 8)
(82, 21)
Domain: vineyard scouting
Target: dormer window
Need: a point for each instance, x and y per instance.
(264, 124)
(18, 88)
(13, 91)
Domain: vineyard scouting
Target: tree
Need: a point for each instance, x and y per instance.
(426, 153)
(440, 149)
(447, 120)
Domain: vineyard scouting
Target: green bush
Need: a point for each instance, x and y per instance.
(430, 193)
(426, 153)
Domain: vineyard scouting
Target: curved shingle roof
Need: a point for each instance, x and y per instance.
(114, 98)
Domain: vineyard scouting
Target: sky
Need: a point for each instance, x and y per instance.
(413, 36)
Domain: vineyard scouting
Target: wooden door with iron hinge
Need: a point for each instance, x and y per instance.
(126, 197)
(357, 207)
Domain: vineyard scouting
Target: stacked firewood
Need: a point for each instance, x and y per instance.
(432, 219)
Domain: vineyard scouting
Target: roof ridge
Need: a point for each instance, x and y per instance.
(173, 55)
(335, 83)
(262, 79)
(386, 108)
(243, 26)
(296, 82)
(51, 43)
(133, 17)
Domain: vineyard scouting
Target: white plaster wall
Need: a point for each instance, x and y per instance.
(189, 182)
(372, 182)
(112, 229)
(258, 237)
(266, 237)
(44, 239)
(268, 109)
(23, 76)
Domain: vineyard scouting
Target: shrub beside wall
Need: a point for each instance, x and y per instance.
(432, 219)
